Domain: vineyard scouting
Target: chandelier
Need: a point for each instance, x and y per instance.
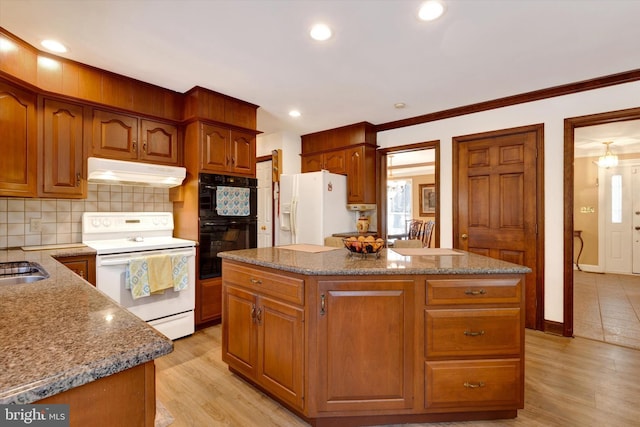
(609, 159)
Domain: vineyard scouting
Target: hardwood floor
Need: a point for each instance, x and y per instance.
(568, 382)
(607, 308)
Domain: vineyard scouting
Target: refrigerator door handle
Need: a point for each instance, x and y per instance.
(294, 220)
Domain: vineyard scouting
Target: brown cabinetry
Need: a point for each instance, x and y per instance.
(365, 344)
(473, 344)
(224, 150)
(83, 265)
(61, 152)
(349, 150)
(125, 137)
(18, 162)
(208, 300)
(263, 332)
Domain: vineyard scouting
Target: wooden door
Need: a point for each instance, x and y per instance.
(365, 344)
(18, 162)
(159, 142)
(243, 153)
(62, 153)
(115, 135)
(497, 202)
(335, 162)
(208, 300)
(312, 163)
(215, 156)
(239, 332)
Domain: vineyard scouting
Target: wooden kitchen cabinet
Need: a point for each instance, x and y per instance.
(61, 151)
(18, 127)
(124, 137)
(333, 161)
(263, 323)
(83, 265)
(369, 322)
(361, 173)
(208, 300)
(227, 151)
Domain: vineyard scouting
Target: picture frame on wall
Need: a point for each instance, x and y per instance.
(427, 199)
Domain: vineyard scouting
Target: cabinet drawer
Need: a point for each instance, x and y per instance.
(474, 385)
(474, 291)
(276, 285)
(482, 332)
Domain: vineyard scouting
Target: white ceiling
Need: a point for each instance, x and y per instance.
(381, 54)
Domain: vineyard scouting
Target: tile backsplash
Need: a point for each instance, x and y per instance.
(61, 219)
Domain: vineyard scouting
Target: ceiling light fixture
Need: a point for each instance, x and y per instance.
(609, 159)
(431, 10)
(399, 105)
(294, 113)
(320, 32)
(53, 46)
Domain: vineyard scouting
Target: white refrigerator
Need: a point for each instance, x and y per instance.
(313, 205)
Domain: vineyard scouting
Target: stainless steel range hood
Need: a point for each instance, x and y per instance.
(107, 171)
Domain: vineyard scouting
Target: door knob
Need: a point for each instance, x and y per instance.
(464, 236)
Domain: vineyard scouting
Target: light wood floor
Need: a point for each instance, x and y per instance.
(606, 308)
(568, 382)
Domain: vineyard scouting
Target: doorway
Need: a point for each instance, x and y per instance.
(571, 127)
(403, 172)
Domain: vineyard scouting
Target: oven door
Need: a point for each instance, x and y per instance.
(220, 236)
(110, 279)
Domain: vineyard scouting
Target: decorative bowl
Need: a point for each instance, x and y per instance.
(363, 246)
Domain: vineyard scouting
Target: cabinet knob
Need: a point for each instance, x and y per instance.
(144, 146)
(78, 179)
(134, 146)
(464, 236)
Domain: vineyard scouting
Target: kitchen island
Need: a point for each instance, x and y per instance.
(410, 336)
(63, 341)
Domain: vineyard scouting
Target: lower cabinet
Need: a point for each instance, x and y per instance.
(208, 300)
(83, 265)
(377, 349)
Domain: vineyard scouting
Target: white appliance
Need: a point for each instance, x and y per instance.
(313, 205)
(119, 237)
(107, 171)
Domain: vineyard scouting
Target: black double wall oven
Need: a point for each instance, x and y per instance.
(228, 219)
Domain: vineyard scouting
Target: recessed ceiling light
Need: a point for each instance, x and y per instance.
(430, 10)
(320, 32)
(53, 46)
(294, 113)
(399, 105)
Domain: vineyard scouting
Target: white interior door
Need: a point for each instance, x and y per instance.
(635, 217)
(265, 205)
(618, 236)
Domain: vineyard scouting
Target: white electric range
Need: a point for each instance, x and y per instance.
(119, 237)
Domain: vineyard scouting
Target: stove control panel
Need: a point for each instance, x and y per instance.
(134, 222)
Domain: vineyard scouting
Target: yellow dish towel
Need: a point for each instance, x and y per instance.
(160, 273)
(137, 279)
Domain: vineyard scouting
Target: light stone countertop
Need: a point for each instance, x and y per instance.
(61, 332)
(340, 262)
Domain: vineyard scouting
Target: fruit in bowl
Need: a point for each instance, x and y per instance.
(364, 245)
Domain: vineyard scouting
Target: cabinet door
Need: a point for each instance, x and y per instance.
(239, 331)
(115, 135)
(365, 345)
(215, 156)
(18, 162)
(83, 265)
(243, 153)
(281, 350)
(334, 162)
(312, 163)
(208, 300)
(356, 182)
(159, 142)
(62, 150)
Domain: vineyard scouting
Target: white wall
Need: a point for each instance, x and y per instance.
(552, 113)
(290, 145)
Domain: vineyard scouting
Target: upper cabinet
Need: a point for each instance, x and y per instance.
(61, 150)
(125, 137)
(349, 150)
(224, 150)
(18, 134)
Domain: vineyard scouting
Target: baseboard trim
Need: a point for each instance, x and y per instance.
(554, 328)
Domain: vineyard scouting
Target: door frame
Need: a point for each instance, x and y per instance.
(381, 161)
(540, 323)
(570, 125)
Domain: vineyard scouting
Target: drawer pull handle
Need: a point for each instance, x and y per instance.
(474, 334)
(474, 385)
(475, 292)
(259, 316)
(253, 313)
(255, 281)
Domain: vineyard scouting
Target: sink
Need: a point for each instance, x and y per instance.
(17, 272)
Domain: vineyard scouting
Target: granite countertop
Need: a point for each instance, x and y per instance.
(338, 261)
(61, 332)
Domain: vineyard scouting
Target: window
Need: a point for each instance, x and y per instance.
(398, 206)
